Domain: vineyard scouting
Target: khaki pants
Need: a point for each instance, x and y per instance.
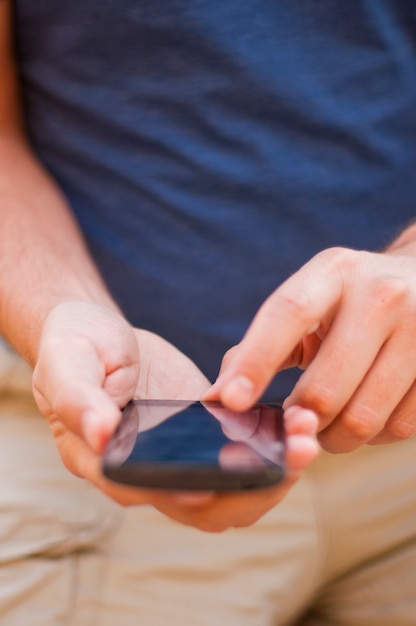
(340, 549)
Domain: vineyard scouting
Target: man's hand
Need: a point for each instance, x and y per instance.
(349, 319)
(90, 363)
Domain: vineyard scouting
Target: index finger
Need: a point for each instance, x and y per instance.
(293, 311)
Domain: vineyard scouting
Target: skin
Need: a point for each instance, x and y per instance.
(348, 318)
(88, 361)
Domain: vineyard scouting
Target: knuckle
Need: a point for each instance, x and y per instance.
(320, 397)
(298, 301)
(361, 421)
(333, 444)
(389, 291)
(338, 258)
(399, 429)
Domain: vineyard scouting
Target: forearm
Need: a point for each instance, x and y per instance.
(43, 258)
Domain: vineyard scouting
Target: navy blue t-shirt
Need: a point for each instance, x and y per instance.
(211, 147)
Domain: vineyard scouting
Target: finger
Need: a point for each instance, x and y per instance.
(237, 509)
(343, 360)
(212, 394)
(301, 445)
(301, 451)
(68, 382)
(402, 422)
(382, 389)
(300, 421)
(77, 457)
(294, 310)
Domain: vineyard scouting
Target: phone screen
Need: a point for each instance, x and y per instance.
(193, 445)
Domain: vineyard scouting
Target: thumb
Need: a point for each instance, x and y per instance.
(68, 385)
(213, 393)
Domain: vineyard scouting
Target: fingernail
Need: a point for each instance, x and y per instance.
(239, 389)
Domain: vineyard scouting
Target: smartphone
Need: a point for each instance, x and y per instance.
(184, 445)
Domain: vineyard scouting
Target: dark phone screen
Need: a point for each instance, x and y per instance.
(194, 445)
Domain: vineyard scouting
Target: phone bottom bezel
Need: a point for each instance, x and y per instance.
(195, 479)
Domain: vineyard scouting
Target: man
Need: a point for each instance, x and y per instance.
(177, 162)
